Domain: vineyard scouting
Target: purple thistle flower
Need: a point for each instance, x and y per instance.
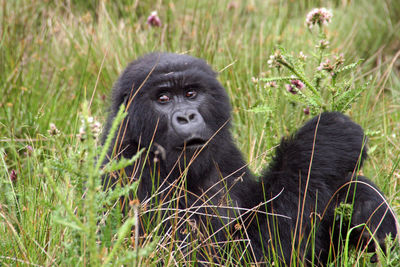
(306, 111)
(298, 84)
(322, 44)
(13, 176)
(320, 16)
(28, 151)
(254, 80)
(291, 89)
(302, 56)
(274, 59)
(53, 130)
(232, 5)
(153, 20)
(271, 84)
(339, 59)
(326, 65)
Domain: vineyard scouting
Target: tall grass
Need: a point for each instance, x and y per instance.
(57, 55)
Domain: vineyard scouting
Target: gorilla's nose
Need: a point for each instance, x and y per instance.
(186, 118)
(187, 122)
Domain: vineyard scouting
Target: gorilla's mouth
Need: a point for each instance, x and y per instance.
(192, 143)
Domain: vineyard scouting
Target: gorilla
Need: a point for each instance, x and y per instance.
(196, 189)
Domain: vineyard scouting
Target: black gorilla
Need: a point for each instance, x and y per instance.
(194, 172)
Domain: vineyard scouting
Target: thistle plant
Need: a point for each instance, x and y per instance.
(321, 81)
(93, 228)
(154, 20)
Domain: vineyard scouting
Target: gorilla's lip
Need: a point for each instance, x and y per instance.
(192, 143)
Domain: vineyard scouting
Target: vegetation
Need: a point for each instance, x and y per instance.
(59, 59)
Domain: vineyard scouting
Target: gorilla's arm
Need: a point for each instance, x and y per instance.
(333, 144)
(325, 150)
(369, 208)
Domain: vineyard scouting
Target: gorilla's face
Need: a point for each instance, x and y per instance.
(180, 105)
(176, 102)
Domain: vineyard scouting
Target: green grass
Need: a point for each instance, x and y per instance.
(54, 55)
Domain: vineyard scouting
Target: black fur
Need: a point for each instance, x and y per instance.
(218, 196)
(370, 212)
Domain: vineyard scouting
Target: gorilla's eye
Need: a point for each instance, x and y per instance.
(191, 94)
(163, 98)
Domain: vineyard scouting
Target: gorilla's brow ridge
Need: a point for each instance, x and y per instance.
(178, 81)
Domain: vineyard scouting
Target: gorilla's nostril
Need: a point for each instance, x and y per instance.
(182, 120)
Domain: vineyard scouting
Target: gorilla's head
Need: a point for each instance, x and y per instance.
(174, 101)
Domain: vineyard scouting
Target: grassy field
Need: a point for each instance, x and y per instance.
(55, 56)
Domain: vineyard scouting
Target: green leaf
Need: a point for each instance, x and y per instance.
(277, 79)
(122, 163)
(348, 67)
(119, 192)
(346, 98)
(66, 223)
